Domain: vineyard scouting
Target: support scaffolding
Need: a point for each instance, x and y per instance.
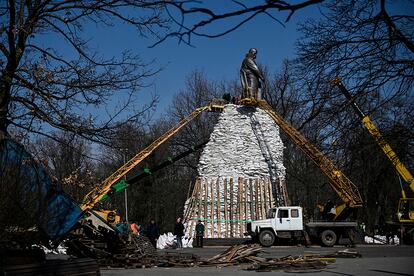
(225, 205)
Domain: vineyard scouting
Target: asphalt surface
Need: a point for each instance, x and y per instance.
(376, 260)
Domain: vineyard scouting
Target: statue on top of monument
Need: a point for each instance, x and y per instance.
(250, 76)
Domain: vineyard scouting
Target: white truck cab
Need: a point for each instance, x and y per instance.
(287, 223)
(281, 222)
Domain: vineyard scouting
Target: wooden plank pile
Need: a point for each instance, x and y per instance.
(236, 254)
(135, 253)
(291, 264)
(346, 253)
(247, 256)
(165, 259)
(104, 248)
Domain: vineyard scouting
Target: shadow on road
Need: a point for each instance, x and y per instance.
(391, 272)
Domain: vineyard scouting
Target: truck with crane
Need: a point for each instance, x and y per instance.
(287, 221)
(404, 223)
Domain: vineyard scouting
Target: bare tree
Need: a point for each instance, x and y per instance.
(173, 183)
(363, 42)
(198, 92)
(193, 18)
(371, 48)
(68, 159)
(44, 87)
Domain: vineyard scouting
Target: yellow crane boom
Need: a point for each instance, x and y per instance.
(342, 185)
(103, 188)
(402, 170)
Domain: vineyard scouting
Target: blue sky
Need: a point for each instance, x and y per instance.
(219, 58)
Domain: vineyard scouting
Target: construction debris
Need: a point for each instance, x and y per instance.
(236, 254)
(291, 264)
(301, 263)
(101, 244)
(139, 253)
(165, 259)
(246, 256)
(346, 253)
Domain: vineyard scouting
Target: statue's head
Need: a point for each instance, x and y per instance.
(252, 52)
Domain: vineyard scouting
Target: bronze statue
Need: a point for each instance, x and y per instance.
(250, 76)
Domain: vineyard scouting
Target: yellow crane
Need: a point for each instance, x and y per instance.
(342, 185)
(406, 202)
(103, 188)
(347, 191)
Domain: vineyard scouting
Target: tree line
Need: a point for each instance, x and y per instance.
(42, 93)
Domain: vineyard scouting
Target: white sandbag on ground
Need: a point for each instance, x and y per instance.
(51, 250)
(168, 240)
(377, 239)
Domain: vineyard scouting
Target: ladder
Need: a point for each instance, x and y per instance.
(280, 191)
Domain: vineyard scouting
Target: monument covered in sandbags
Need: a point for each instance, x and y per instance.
(241, 173)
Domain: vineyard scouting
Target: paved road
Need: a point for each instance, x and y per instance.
(376, 260)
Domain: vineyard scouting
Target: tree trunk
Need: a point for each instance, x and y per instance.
(5, 86)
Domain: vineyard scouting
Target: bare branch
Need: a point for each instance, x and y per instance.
(45, 86)
(186, 9)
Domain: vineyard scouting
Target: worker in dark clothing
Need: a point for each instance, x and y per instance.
(153, 232)
(329, 210)
(199, 234)
(179, 232)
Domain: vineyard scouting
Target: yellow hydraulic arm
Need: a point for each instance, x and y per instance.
(343, 186)
(373, 130)
(103, 188)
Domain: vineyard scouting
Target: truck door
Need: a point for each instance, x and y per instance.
(296, 222)
(282, 220)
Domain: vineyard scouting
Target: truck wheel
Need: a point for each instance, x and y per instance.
(408, 238)
(328, 238)
(412, 237)
(266, 238)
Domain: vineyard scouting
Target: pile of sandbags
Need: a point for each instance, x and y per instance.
(168, 240)
(245, 143)
(378, 239)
